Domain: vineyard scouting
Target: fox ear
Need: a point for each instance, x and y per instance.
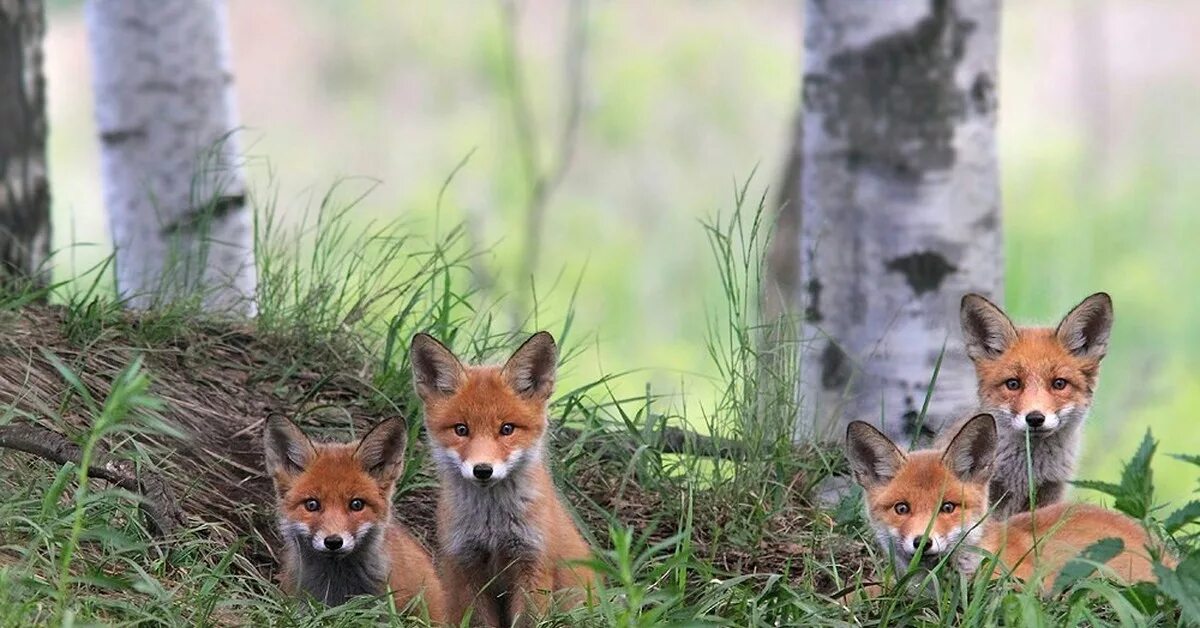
(381, 451)
(530, 370)
(1084, 330)
(436, 372)
(288, 450)
(987, 331)
(874, 458)
(971, 453)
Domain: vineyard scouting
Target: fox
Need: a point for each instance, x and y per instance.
(335, 518)
(506, 543)
(932, 505)
(1038, 382)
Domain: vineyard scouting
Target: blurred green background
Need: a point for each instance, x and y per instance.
(682, 101)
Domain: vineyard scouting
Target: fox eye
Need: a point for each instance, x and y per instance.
(1058, 383)
(357, 504)
(461, 429)
(948, 507)
(901, 508)
(507, 429)
(1012, 383)
(312, 505)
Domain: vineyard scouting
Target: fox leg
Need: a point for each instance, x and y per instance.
(529, 595)
(465, 592)
(573, 584)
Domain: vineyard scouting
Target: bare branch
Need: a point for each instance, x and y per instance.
(543, 180)
(671, 440)
(158, 501)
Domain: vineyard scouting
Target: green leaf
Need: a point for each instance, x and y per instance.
(1187, 514)
(1134, 496)
(1187, 458)
(1137, 481)
(1087, 562)
(1183, 585)
(1107, 488)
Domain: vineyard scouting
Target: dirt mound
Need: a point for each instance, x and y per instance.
(220, 381)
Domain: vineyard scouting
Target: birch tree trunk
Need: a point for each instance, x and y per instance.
(24, 189)
(900, 206)
(173, 188)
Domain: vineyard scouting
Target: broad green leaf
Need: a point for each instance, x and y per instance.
(1183, 585)
(1088, 561)
(1187, 514)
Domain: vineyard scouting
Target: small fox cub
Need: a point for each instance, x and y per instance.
(933, 500)
(506, 541)
(1036, 380)
(335, 517)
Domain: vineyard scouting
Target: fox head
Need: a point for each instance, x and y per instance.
(1036, 378)
(334, 498)
(485, 423)
(930, 500)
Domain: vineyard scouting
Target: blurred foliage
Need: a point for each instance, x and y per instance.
(683, 100)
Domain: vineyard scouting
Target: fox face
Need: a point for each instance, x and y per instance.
(485, 423)
(924, 502)
(1037, 379)
(334, 499)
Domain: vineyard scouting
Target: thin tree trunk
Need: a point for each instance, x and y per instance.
(24, 189)
(900, 209)
(173, 188)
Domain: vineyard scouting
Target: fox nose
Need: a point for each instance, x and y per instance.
(918, 540)
(333, 542)
(1035, 419)
(482, 471)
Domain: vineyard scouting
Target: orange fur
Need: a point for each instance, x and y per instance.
(333, 474)
(921, 498)
(1036, 358)
(482, 572)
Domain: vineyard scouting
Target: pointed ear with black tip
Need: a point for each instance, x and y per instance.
(973, 450)
(381, 451)
(874, 458)
(288, 451)
(436, 372)
(1084, 330)
(530, 370)
(987, 331)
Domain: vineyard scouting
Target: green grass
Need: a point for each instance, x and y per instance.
(681, 539)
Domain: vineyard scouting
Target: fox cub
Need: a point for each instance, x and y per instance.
(1039, 381)
(506, 541)
(927, 503)
(335, 517)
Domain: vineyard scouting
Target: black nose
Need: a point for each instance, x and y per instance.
(917, 543)
(333, 542)
(1035, 419)
(482, 471)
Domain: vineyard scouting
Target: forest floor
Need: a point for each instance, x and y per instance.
(687, 529)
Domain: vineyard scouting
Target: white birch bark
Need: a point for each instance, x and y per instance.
(173, 188)
(24, 189)
(900, 206)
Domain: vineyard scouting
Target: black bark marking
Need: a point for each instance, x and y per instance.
(118, 136)
(835, 367)
(924, 271)
(983, 94)
(894, 102)
(812, 309)
(911, 420)
(199, 218)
